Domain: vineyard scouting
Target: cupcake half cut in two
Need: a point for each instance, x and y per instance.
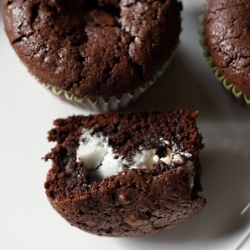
(126, 174)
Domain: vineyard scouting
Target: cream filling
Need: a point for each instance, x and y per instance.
(100, 161)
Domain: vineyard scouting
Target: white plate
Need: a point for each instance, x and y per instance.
(28, 222)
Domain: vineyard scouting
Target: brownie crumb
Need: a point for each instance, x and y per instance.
(134, 201)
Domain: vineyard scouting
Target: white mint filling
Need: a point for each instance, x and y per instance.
(100, 161)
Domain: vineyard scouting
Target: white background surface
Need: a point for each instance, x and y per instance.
(27, 110)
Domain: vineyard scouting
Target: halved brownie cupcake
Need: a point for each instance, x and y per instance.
(126, 174)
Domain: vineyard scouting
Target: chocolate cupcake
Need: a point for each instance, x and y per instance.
(97, 53)
(226, 42)
(126, 174)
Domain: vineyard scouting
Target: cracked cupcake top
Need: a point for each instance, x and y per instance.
(103, 48)
(227, 31)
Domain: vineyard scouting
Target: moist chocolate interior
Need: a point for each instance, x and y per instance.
(126, 132)
(136, 201)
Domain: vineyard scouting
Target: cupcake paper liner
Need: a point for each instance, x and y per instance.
(112, 103)
(228, 86)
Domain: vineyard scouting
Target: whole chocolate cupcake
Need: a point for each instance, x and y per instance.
(126, 174)
(97, 53)
(226, 41)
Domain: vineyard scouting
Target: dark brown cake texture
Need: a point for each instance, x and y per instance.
(227, 38)
(135, 201)
(93, 48)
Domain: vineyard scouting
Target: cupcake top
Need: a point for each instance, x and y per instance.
(100, 48)
(126, 174)
(227, 35)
